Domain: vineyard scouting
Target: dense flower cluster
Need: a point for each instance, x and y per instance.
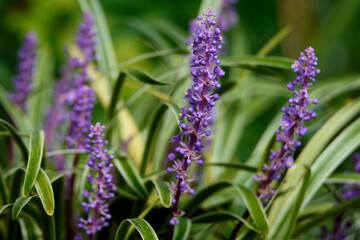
(201, 99)
(22, 81)
(81, 98)
(101, 180)
(292, 122)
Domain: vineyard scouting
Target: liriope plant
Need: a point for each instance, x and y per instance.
(115, 158)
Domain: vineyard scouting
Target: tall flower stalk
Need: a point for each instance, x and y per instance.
(201, 100)
(292, 124)
(81, 100)
(26, 68)
(101, 181)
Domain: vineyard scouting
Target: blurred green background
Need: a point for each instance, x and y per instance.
(330, 26)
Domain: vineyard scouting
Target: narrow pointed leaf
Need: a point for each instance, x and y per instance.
(34, 161)
(344, 178)
(20, 120)
(18, 206)
(163, 191)
(154, 126)
(195, 201)
(213, 217)
(65, 152)
(58, 184)
(28, 230)
(154, 54)
(44, 188)
(289, 223)
(3, 188)
(115, 94)
(16, 184)
(142, 226)
(131, 175)
(253, 62)
(4, 207)
(17, 138)
(46, 223)
(254, 206)
(142, 76)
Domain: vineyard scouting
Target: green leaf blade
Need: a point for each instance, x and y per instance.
(18, 206)
(34, 161)
(142, 76)
(131, 175)
(163, 191)
(213, 217)
(46, 192)
(142, 226)
(255, 208)
(23, 149)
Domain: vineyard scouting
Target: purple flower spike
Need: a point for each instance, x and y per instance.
(101, 180)
(82, 97)
(86, 37)
(22, 81)
(201, 100)
(292, 122)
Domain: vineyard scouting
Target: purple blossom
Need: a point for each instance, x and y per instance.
(101, 180)
(81, 98)
(292, 124)
(57, 115)
(228, 15)
(22, 81)
(195, 117)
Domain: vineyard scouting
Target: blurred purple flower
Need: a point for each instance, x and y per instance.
(23, 80)
(228, 15)
(101, 180)
(201, 99)
(292, 122)
(81, 98)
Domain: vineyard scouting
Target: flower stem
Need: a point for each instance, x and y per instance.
(69, 202)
